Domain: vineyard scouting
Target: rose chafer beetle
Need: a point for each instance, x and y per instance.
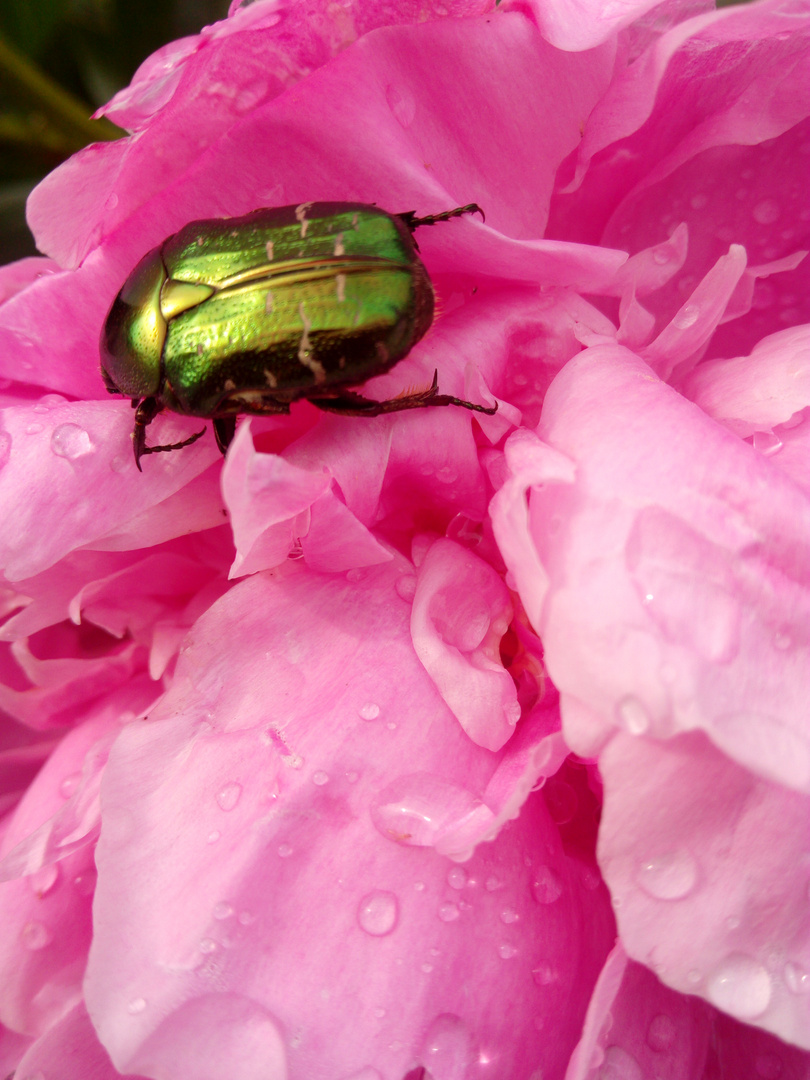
(248, 314)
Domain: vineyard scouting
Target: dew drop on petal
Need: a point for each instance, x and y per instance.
(213, 836)
(35, 936)
(447, 1052)
(769, 1066)
(207, 945)
(767, 443)
(633, 715)
(402, 104)
(669, 876)
(456, 877)
(419, 808)
(369, 711)
(766, 212)
(137, 1005)
(85, 882)
(661, 1032)
(284, 851)
(618, 1064)
(378, 913)
(506, 952)
(44, 879)
(69, 784)
(686, 317)
(228, 795)
(797, 979)
(320, 778)
(509, 915)
(449, 912)
(545, 975)
(546, 886)
(71, 441)
(741, 986)
(223, 910)
(33, 429)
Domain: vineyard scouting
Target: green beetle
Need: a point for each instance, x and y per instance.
(248, 314)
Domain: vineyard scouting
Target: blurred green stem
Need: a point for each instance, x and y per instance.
(66, 113)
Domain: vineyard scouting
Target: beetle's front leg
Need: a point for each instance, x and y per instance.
(145, 413)
(413, 222)
(348, 403)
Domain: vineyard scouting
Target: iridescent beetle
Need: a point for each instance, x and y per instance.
(248, 314)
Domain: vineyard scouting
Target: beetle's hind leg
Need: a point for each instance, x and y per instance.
(348, 403)
(145, 412)
(413, 222)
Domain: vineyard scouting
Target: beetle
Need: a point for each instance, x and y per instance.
(248, 314)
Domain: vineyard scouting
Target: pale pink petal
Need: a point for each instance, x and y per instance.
(660, 613)
(289, 757)
(461, 610)
(708, 869)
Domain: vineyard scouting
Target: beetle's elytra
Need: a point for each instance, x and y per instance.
(247, 314)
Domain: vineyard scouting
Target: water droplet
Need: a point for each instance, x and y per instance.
(561, 799)
(447, 1052)
(120, 463)
(545, 975)
(509, 915)
(406, 587)
(71, 441)
(732, 922)
(213, 836)
(796, 978)
(740, 986)
(449, 912)
(492, 884)
(419, 886)
(618, 1064)
(35, 936)
(693, 976)
(456, 877)
(378, 913)
(506, 952)
(633, 716)
(285, 851)
(223, 910)
(5, 448)
(420, 808)
(546, 887)
(357, 573)
(661, 1032)
(369, 711)
(69, 784)
(320, 778)
(207, 945)
(446, 475)
(379, 1013)
(137, 1005)
(85, 883)
(766, 212)
(228, 795)
(402, 104)
(44, 879)
(33, 429)
(767, 443)
(686, 317)
(426, 968)
(769, 1066)
(669, 876)
(662, 255)
(111, 201)
(246, 918)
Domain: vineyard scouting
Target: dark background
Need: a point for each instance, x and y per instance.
(60, 60)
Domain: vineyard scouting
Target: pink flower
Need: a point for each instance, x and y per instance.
(304, 754)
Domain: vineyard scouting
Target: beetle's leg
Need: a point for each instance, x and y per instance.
(145, 413)
(224, 431)
(349, 403)
(413, 222)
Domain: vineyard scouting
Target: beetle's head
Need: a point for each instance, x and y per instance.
(134, 332)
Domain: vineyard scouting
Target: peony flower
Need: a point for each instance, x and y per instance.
(436, 744)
